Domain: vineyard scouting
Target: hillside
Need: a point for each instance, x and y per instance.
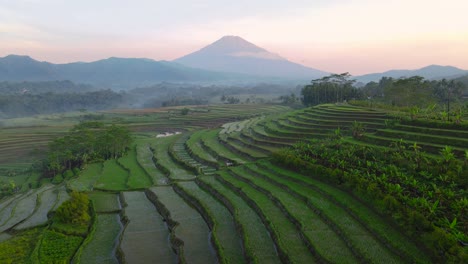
(117, 73)
(432, 72)
(234, 54)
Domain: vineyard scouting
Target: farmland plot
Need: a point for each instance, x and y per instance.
(259, 247)
(291, 246)
(62, 196)
(23, 209)
(87, 178)
(46, 200)
(192, 229)
(146, 236)
(326, 242)
(138, 178)
(145, 159)
(105, 202)
(102, 246)
(163, 159)
(224, 230)
(113, 177)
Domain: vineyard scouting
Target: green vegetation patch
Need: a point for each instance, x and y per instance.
(138, 178)
(322, 237)
(87, 177)
(145, 159)
(224, 231)
(113, 177)
(101, 247)
(56, 247)
(105, 202)
(290, 244)
(19, 248)
(192, 229)
(258, 244)
(161, 148)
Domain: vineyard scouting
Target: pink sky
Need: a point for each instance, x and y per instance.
(358, 36)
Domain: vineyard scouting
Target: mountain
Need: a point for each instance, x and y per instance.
(119, 73)
(432, 72)
(234, 54)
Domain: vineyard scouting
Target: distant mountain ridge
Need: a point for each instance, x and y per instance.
(112, 72)
(431, 72)
(229, 59)
(234, 54)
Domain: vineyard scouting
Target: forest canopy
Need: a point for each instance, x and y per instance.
(85, 142)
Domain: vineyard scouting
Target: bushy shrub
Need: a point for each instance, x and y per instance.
(75, 210)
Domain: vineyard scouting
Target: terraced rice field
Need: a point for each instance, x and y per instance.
(46, 201)
(87, 178)
(146, 236)
(138, 177)
(145, 159)
(212, 195)
(113, 177)
(103, 243)
(190, 228)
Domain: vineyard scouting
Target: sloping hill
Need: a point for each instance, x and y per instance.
(114, 72)
(430, 72)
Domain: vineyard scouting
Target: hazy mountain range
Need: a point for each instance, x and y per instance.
(230, 58)
(432, 72)
(112, 72)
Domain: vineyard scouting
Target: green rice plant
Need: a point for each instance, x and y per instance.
(103, 242)
(160, 148)
(87, 178)
(195, 148)
(138, 178)
(289, 243)
(257, 242)
(113, 177)
(225, 236)
(192, 229)
(328, 244)
(373, 221)
(145, 159)
(211, 142)
(105, 202)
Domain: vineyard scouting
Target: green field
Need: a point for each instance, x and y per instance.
(247, 184)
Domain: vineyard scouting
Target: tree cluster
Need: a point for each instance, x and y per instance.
(86, 142)
(330, 89)
(288, 99)
(17, 105)
(229, 99)
(43, 87)
(414, 91)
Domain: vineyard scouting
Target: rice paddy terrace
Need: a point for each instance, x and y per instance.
(211, 194)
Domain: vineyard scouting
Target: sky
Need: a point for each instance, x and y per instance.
(356, 36)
